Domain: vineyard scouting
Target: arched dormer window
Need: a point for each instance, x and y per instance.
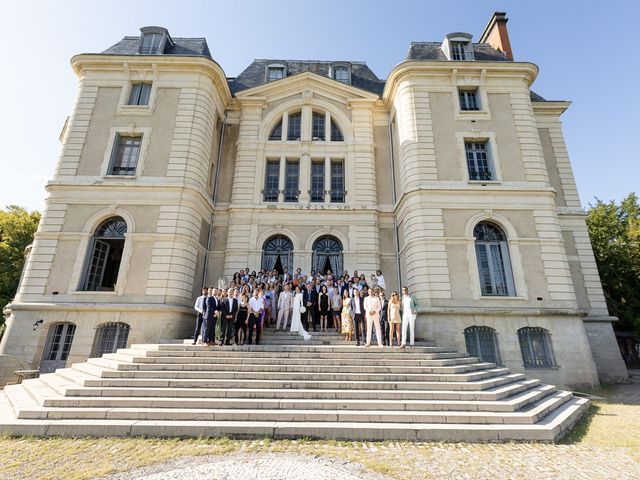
(341, 73)
(458, 47)
(275, 71)
(276, 133)
(494, 263)
(336, 133)
(154, 40)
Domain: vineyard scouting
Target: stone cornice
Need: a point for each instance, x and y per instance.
(556, 108)
(83, 63)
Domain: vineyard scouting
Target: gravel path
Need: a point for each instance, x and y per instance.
(250, 466)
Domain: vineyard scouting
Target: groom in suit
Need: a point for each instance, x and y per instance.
(229, 308)
(310, 302)
(210, 317)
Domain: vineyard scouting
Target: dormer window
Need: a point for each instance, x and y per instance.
(154, 40)
(458, 47)
(276, 72)
(341, 73)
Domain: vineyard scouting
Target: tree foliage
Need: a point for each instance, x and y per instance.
(615, 235)
(17, 227)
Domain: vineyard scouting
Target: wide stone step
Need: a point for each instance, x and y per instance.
(552, 427)
(262, 413)
(208, 371)
(513, 403)
(201, 350)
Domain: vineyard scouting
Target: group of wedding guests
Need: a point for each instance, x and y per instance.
(315, 302)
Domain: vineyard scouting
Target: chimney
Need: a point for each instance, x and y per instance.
(496, 34)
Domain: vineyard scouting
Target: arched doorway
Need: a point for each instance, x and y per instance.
(277, 253)
(57, 347)
(327, 255)
(106, 254)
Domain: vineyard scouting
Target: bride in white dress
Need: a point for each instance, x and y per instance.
(296, 322)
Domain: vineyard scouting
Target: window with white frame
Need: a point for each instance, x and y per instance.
(469, 99)
(294, 127)
(494, 262)
(125, 155)
(151, 43)
(342, 74)
(140, 94)
(478, 160)
(535, 347)
(275, 72)
(317, 126)
(271, 181)
(276, 133)
(336, 133)
(458, 50)
(103, 263)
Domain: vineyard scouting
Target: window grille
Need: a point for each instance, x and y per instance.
(271, 181)
(535, 346)
(482, 342)
(317, 181)
(126, 155)
(109, 338)
(337, 181)
(293, 132)
(478, 161)
(469, 100)
(317, 126)
(494, 264)
(291, 174)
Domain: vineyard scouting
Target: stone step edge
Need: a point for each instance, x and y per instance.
(548, 430)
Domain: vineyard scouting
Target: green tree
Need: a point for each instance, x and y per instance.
(615, 235)
(17, 227)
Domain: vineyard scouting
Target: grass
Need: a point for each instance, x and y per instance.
(610, 427)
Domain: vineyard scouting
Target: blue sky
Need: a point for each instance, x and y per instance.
(587, 53)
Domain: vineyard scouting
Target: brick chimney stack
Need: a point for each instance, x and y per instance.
(497, 35)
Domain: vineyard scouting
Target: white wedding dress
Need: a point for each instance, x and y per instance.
(296, 321)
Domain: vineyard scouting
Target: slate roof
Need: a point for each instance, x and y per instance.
(181, 46)
(433, 51)
(254, 75)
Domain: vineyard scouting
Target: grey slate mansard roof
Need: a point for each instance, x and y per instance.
(254, 75)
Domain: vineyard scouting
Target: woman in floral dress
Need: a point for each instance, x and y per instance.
(347, 317)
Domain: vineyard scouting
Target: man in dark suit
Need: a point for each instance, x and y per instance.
(310, 303)
(229, 308)
(210, 317)
(357, 307)
(384, 321)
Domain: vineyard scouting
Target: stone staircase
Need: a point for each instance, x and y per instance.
(288, 388)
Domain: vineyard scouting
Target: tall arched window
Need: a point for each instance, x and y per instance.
(317, 126)
(106, 253)
(109, 338)
(327, 254)
(482, 342)
(535, 346)
(494, 263)
(277, 254)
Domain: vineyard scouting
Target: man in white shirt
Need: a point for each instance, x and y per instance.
(256, 306)
(372, 309)
(285, 303)
(409, 313)
(199, 307)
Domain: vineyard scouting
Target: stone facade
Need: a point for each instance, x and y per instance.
(195, 209)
